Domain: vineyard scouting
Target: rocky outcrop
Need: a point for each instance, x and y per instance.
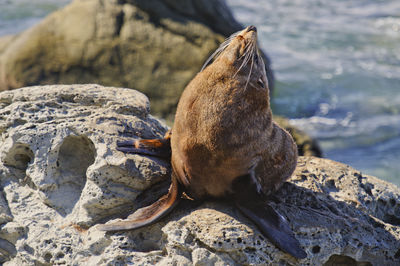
(154, 46)
(60, 175)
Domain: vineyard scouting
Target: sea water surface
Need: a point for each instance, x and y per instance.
(337, 66)
(18, 15)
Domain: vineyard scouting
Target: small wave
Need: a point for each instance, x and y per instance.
(374, 127)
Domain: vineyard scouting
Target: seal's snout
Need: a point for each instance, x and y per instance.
(251, 28)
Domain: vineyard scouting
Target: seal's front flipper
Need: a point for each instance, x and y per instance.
(273, 226)
(150, 214)
(151, 147)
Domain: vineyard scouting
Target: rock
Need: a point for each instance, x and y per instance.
(57, 144)
(60, 175)
(153, 46)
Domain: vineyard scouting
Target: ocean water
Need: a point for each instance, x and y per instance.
(18, 15)
(337, 66)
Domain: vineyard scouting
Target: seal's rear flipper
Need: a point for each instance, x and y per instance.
(274, 226)
(150, 214)
(151, 147)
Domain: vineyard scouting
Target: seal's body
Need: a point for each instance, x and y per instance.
(225, 144)
(223, 126)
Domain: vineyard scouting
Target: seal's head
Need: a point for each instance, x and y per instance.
(240, 52)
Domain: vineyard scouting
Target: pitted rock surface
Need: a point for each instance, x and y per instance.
(60, 175)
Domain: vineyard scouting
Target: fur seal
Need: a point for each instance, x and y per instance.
(224, 143)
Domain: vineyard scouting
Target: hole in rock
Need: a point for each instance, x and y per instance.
(391, 219)
(316, 249)
(147, 246)
(76, 154)
(48, 257)
(29, 249)
(19, 156)
(397, 255)
(60, 255)
(345, 260)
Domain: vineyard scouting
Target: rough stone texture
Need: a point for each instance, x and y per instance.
(154, 46)
(58, 162)
(60, 174)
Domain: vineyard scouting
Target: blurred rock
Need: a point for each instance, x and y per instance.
(153, 46)
(60, 174)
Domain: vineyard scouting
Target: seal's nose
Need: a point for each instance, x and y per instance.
(251, 28)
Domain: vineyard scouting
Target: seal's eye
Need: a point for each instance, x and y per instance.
(256, 58)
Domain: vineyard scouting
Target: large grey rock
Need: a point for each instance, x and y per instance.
(154, 46)
(60, 175)
(58, 163)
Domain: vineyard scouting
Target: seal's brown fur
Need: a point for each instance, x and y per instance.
(223, 126)
(225, 144)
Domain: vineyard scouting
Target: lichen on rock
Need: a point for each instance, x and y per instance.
(60, 175)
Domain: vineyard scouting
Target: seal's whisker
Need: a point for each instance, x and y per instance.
(245, 61)
(248, 55)
(214, 55)
(251, 51)
(251, 70)
(219, 50)
(246, 49)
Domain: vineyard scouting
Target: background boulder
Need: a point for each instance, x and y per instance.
(60, 175)
(153, 46)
